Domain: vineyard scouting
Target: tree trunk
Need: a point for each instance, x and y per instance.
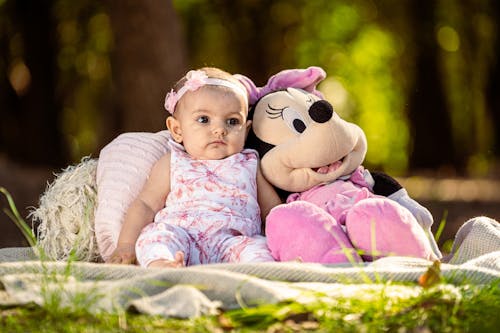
(430, 124)
(149, 57)
(29, 130)
(493, 84)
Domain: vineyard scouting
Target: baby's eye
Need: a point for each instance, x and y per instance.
(202, 119)
(233, 121)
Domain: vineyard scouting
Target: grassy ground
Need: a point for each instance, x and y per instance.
(440, 308)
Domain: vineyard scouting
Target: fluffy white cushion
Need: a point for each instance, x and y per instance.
(123, 168)
(65, 216)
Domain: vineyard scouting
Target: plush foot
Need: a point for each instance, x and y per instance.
(302, 230)
(379, 227)
(422, 214)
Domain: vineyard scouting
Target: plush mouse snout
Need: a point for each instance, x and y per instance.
(321, 111)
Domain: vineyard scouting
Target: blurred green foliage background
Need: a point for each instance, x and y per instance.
(420, 77)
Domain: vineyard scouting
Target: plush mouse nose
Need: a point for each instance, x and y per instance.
(321, 111)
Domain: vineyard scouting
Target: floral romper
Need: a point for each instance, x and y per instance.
(211, 213)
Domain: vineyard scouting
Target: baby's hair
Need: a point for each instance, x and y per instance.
(211, 72)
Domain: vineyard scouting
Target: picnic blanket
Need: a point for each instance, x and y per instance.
(205, 289)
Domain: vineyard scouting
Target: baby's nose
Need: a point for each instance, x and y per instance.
(220, 130)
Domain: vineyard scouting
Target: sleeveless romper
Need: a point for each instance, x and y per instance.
(211, 212)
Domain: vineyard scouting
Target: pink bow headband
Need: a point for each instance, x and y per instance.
(196, 79)
(305, 79)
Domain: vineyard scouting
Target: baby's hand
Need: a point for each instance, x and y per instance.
(123, 254)
(177, 262)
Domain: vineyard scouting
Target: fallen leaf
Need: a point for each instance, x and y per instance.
(432, 276)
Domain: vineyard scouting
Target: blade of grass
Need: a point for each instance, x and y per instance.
(14, 215)
(442, 224)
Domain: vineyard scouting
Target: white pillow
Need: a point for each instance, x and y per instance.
(123, 168)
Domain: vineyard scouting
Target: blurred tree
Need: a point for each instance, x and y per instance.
(262, 34)
(75, 74)
(253, 37)
(148, 58)
(84, 42)
(430, 125)
(493, 84)
(30, 113)
(465, 34)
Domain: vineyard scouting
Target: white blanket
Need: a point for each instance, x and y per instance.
(200, 290)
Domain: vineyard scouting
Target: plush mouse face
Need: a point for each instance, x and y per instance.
(306, 142)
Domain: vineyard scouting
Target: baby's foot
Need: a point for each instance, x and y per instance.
(177, 262)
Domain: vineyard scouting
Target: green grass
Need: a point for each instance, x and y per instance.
(440, 307)
(35, 319)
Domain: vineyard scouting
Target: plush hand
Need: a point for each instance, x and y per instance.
(123, 254)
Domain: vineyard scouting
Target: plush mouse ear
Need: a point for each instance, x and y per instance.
(305, 79)
(253, 91)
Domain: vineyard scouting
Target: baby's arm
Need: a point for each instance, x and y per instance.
(142, 211)
(266, 195)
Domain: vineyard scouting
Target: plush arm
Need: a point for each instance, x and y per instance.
(385, 185)
(266, 195)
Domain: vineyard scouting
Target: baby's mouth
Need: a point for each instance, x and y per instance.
(329, 168)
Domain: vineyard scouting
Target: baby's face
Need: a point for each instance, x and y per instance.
(211, 123)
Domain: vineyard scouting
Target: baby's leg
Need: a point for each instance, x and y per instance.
(163, 244)
(244, 249)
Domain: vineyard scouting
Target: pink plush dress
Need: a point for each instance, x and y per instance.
(211, 213)
(338, 197)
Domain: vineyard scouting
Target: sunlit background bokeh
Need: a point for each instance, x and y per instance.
(368, 49)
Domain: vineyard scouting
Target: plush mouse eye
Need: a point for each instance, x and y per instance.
(294, 120)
